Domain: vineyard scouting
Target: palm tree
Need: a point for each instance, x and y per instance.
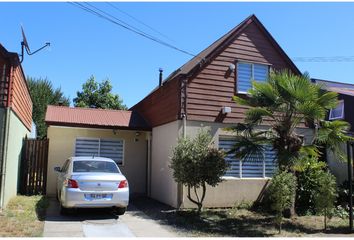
(286, 102)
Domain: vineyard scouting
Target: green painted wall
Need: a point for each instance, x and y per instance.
(17, 131)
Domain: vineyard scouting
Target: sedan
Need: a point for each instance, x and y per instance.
(92, 182)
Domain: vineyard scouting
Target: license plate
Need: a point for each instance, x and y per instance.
(98, 196)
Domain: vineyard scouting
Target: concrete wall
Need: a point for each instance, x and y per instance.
(17, 131)
(163, 187)
(62, 146)
(338, 167)
(232, 190)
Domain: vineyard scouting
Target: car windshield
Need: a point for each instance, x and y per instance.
(95, 166)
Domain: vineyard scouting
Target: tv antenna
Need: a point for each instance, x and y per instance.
(24, 45)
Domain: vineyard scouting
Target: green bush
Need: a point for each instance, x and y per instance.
(195, 163)
(281, 194)
(325, 195)
(309, 170)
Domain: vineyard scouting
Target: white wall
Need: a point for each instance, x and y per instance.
(337, 166)
(163, 187)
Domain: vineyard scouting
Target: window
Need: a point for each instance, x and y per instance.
(248, 169)
(101, 148)
(95, 166)
(246, 72)
(338, 112)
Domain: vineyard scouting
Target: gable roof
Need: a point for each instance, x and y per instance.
(207, 54)
(204, 56)
(338, 87)
(91, 117)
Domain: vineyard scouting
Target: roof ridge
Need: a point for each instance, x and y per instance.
(330, 81)
(90, 109)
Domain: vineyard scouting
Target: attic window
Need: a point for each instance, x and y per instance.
(338, 112)
(246, 72)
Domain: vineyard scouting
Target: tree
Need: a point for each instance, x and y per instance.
(98, 95)
(285, 102)
(43, 94)
(196, 163)
(326, 195)
(281, 192)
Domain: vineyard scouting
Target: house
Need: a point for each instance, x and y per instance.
(344, 111)
(123, 136)
(15, 121)
(199, 94)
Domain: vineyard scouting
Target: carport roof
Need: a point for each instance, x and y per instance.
(94, 118)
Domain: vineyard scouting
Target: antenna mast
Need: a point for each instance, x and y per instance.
(24, 45)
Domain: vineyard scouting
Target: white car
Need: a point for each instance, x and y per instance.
(92, 182)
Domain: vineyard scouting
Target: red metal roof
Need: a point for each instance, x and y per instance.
(91, 117)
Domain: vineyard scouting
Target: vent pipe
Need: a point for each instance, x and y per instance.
(160, 77)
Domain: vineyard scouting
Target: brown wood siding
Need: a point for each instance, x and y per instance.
(211, 89)
(21, 102)
(161, 106)
(4, 82)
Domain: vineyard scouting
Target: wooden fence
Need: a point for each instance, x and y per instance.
(34, 162)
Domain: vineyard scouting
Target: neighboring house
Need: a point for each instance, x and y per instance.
(199, 94)
(344, 111)
(15, 121)
(121, 135)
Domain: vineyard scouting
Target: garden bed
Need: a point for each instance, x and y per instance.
(236, 222)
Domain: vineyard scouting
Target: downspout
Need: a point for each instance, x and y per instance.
(6, 138)
(2, 136)
(148, 137)
(183, 115)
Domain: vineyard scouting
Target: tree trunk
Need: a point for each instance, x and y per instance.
(325, 220)
(198, 201)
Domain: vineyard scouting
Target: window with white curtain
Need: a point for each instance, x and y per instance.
(246, 72)
(265, 167)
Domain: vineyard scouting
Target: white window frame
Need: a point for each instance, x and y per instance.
(340, 102)
(99, 146)
(252, 73)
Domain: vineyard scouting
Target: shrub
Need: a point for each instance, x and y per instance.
(281, 194)
(308, 173)
(325, 195)
(195, 163)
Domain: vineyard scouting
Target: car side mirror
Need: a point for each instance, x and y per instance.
(57, 169)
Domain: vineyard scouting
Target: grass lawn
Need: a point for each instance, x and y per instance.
(235, 222)
(23, 217)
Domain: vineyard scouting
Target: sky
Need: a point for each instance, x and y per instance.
(83, 44)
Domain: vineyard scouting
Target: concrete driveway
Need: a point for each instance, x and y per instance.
(101, 223)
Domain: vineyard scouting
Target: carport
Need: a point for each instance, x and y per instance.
(123, 136)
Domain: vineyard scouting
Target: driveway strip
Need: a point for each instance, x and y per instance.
(101, 223)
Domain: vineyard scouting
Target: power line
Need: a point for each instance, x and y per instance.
(324, 59)
(139, 21)
(127, 27)
(121, 21)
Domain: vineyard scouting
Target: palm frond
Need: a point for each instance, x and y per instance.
(255, 115)
(333, 134)
(328, 100)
